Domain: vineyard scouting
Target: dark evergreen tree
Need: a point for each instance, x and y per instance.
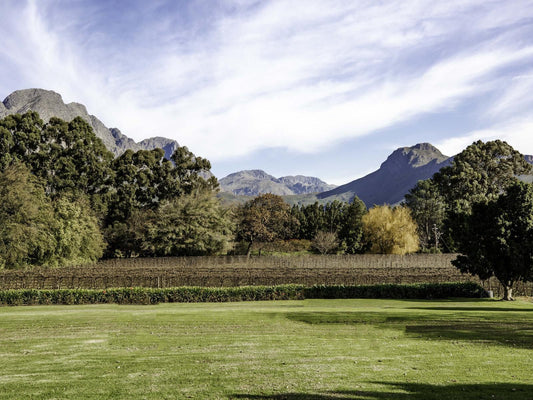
(498, 240)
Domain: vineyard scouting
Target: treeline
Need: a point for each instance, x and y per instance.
(65, 200)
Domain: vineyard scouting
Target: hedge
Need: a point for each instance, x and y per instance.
(244, 293)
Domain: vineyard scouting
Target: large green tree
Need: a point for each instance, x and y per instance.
(26, 220)
(479, 173)
(143, 179)
(342, 219)
(428, 210)
(350, 231)
(265, 218)
(498, 240)
(192, 225)
(20, 137)
(77, 232)
(68, 156)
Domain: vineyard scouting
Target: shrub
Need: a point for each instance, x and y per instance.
(245, 293)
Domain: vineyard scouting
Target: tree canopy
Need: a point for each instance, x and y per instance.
(264, 219)
(390, 230)
(498, 240)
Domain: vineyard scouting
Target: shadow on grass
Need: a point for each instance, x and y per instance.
(416, 391)
(505, 334)
(477, 309)
(508, 331)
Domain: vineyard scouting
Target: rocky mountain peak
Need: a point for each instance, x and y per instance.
(415, 156)
(48, 104)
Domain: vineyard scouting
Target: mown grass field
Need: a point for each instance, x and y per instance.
(312, 349)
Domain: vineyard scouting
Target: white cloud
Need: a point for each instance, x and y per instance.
(281, 74)
(518, 133)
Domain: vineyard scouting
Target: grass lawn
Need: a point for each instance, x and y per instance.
(312, 349)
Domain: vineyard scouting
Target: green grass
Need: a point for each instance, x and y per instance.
(312, 349)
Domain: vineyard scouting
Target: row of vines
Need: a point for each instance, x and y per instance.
(243, 271)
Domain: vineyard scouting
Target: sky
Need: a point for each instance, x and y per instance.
(325, 88)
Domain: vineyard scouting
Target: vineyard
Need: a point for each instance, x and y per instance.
(227, 271)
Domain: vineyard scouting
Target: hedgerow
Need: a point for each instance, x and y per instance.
(138, 295)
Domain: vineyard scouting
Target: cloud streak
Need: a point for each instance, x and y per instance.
(240, 76)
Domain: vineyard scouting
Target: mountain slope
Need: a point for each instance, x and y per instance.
(399, 173)
(50, 104)
(255, 182)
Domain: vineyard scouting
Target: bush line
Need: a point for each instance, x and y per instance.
(139, 295)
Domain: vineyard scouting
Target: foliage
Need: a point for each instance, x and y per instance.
(480, 173)
(428, 210)
(36, 231)
(66, 155)
(351, 228)
(341, 218)
(26, 220)
(325, 242)
(499, 238)
(79, 239)
(191, 225)
(139, 295)
(390, 230)
(20, 137)
(266, 218)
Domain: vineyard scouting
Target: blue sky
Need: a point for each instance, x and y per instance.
(324, 88)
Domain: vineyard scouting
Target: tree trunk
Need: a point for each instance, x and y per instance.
(507, 293)
(249, 250)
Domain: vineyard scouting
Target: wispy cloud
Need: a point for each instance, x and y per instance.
(239, 76)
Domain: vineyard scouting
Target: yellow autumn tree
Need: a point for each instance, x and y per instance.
(390, 230)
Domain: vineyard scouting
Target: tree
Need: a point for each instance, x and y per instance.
(141, 180)
(350, 231)
(192, 225)
(428, 210)
(311, 220)
(20, 136)
(26, 220)
(78, 236)
(480, 173)
(192, 172)
(390, 230)
(265, 218)
(499, 238)
(68, 156)
(144, 179)
(325, 242)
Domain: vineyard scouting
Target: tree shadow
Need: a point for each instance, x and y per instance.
(505, 332)
(413, 391)
(483, 309)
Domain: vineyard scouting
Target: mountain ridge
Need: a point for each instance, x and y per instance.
(402, 169)
(255, 182)
(48, 104)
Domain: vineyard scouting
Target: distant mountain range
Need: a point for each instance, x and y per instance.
(50, 104)
(399, 173)
(387, 185)
(255, 182)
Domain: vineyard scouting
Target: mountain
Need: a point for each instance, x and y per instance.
(50, 104)
(399, 173)
(255, 182)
